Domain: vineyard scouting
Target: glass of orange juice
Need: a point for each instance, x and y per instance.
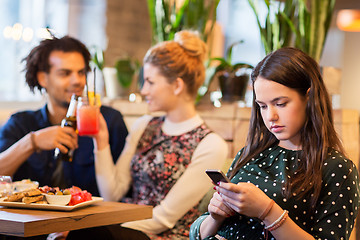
(87, 116)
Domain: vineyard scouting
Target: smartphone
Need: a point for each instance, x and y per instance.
(217, 175)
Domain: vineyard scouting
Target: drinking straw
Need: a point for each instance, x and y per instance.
(87, 88)
(94, 86)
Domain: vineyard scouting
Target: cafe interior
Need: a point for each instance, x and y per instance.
(120, 32)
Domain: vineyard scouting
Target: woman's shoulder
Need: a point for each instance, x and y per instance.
(215, 139)
(141, 121)
(338, 165)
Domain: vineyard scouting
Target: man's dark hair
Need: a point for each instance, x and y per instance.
(38, 58)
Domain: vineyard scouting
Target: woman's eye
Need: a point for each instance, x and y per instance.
(262, 106)
(281, 104)
(147, 80)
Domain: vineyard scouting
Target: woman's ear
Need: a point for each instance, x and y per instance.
(42, 79)
(179, 86)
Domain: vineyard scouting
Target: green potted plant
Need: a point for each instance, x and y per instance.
(314, 18)
(296, 23)
(118, 79)
(126, 69)
(97, 57)
(276, 31)
(121, 78)
(233, 78)
(167, 17)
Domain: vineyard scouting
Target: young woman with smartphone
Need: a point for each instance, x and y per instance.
(292, 180)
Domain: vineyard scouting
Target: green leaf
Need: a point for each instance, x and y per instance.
(160, 19)
(180, 15)
(242, 65)
(229, 51)
(307, 21)
(223, 62)
(151, 10)
(125, 70)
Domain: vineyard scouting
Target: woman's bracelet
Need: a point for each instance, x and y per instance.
(267, 210)
(278, 222)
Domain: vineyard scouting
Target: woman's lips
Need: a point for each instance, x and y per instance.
(276, 128)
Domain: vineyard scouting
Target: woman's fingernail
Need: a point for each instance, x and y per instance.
(214, 188)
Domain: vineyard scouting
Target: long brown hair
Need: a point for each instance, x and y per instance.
(294, 69)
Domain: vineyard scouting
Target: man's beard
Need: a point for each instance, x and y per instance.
(65, 104)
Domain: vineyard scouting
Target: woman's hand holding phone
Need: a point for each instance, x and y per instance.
(218, 207)
(217, 176)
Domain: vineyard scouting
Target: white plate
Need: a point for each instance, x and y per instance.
(49, 206)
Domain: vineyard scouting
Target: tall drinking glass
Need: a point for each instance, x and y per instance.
(87, 117)
(6, 186)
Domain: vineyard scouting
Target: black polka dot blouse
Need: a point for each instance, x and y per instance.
(336, 209)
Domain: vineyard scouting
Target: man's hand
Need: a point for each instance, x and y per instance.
(56, 137)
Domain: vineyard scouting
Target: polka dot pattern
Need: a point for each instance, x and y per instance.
(335, 211)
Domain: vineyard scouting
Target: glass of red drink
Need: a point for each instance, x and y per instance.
(87, 117)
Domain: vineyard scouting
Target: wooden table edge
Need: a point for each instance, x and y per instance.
(31, 222)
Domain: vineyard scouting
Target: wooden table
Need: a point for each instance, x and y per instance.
(31, 222)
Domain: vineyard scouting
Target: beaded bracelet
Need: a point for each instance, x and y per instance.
(217, 236)
(32, 137)
(278, 222)
(267, 210)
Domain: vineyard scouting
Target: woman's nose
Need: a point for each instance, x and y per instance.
(144, 90)
(272, 114)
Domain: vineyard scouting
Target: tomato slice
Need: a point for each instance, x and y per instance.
(79, 196)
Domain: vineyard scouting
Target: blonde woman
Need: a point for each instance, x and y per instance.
(165, 158)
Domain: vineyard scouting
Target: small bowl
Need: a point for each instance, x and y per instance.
(61, 200)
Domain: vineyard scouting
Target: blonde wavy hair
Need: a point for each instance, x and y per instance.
(182, 58)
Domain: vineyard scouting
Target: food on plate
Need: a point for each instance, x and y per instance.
(53, 195)
(77, 194)
(33, 199)
(28, 196)
(15, 197)
(32, 192)
(24, 185)
(42, 202)
(54, 190)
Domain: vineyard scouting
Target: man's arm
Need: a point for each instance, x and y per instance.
(44, 139)
(14, 156)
